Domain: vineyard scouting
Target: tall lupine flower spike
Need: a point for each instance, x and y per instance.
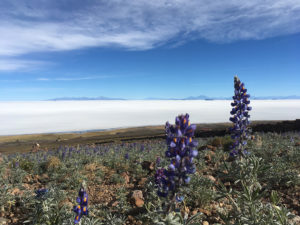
(240, 111)
(181, 153)
(82, 200)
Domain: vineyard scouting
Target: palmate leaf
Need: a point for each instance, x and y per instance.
(170, 219)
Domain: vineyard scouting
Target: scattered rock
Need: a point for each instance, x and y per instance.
(225, 171)
(142, 181)
(44, 176)
(27, 186)
(210, 147)
(27, 179)
(210, 177)
(14, 220)
(137, 197)
(258, 141)
(35, 147)
(209, 156)
(206, 212)
(91, 167)
(205, 223)
(194, 212)
(185, 211)
(295, 220)
(36, 178)
(114, 204)
(65, 202)
(146, 165)
(3, 221)
(227, 184)
(126, 177)
(16, 191)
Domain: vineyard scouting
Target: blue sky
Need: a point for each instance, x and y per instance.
(138, 49)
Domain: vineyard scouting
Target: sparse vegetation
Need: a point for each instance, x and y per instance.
(110, 192)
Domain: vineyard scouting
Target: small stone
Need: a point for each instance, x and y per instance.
(27, 186)
(115, 204)
(295, 220)
(194, 212)
(14, 220)
(27, 179)
(35, 147)
(142, 181)
(227, 184)
(185, 211)
(209, 156)
(130, 218)
(206, 212)
(225, 171)
(3, 221)
(126, 177)
(205, 223)
(44, 176)
(258, 141)
(16, 191)
(65, 202)
(91, 167)
(137, 197)
(210, 177)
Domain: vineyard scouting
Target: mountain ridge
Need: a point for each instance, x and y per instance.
(200, 97)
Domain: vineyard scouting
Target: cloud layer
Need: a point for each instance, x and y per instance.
(34, 26)
(63, 116)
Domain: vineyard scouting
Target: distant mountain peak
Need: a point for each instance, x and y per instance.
(200, 97)
(84, 98)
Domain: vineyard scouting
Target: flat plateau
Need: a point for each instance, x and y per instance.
(24, 143)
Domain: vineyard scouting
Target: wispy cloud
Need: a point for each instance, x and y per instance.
(60, 78)
(31, 26)
(73, 78)
(11, 64)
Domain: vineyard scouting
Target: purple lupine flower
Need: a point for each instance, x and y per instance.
(240, 115)
(126, 156)
(159, 175)
(41, 192)
(181, 153)
(158, 160)
(82, 200)
(63, 155)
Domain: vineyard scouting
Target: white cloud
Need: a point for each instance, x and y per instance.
(72, 78)
(11, 64)
(29, 26)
